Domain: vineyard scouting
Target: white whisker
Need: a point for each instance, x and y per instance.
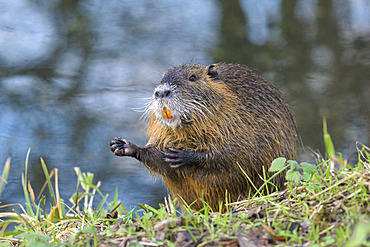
(192, 101)
(195, 107)
(148, 110)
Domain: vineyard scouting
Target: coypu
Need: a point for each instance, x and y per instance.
(206, 124)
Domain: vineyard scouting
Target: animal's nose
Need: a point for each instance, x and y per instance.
(162, 93)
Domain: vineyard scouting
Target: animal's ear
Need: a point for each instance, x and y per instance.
(211, 71)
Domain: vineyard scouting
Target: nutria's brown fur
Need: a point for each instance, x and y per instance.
(221, 119)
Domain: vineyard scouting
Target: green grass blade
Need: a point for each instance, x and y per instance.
(26, 223)
(115, 199)
(24, 185)
(329, 145)
(101, 203)
(249, 179)
(4, 176)
(51, 190)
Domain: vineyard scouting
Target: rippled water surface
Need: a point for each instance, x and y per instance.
(75, 74)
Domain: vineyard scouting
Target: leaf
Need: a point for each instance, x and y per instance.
(278, 164)
(306, 176)
(295, 166)
(88, 229)
(307, 167)
(293, 175)
(292, 162)
(34, 236)
(360, 235)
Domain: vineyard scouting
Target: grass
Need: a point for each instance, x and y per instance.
(327, 204)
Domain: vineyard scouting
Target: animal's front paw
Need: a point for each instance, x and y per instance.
(122, 147)
(179, 157)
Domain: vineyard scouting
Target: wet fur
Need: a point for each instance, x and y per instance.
(236, 118)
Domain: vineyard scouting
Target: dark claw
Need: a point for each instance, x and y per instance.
(172, 149)
(175, 166)
(118, 152)
(122, 147)
(171, 155)
(171, 161)
(177, 157)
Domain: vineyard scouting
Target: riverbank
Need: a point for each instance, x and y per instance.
(326, 204)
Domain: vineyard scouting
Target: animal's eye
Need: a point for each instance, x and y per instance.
(192, 78)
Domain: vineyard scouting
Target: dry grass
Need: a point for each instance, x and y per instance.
(330, 208)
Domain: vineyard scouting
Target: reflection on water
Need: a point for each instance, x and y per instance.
(75, 74)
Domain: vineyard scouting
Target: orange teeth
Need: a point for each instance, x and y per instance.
(166, 112)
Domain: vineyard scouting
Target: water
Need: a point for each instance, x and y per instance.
(75, 74)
